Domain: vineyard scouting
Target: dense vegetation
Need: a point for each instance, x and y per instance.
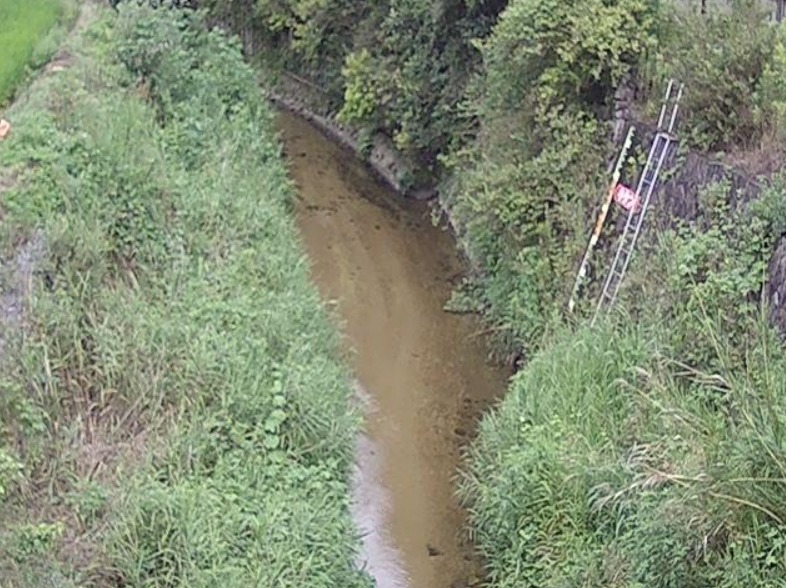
(27, 39)
(650, 451)
(509, 103)
(173, 410)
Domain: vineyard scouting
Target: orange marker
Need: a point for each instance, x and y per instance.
(604, 211)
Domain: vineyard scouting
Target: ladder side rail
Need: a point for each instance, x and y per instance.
(647, 199)
(662, 151)
(610, 284)
(665, 101)
(612, 270)
(630, 241)
(660, 145)
(628, 238)
(642, 214)
(626, 230)
(651, 157)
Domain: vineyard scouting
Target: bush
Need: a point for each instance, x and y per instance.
(520, 195)
(770, 97)
(721, 57)
(173, 326)
(649, 451)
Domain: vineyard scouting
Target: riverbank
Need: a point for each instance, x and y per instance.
(175, 409)
(648, 451)
(377, 151)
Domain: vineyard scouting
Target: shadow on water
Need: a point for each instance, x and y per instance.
(422, 373)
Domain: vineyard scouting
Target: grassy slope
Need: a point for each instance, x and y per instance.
(650, 451)
(612, 468)
(175, 413)
(24, 25)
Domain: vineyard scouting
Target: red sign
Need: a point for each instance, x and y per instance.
(627, 198)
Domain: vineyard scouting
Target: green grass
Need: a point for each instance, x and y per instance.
(609, 464)
(25, 23)
(176, 412)
(649, 451)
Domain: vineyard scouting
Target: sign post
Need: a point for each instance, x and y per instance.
(604, 211)
(627, 198)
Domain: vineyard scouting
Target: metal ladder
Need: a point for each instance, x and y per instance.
(649, 178)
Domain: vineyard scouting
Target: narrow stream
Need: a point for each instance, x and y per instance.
(422, 373)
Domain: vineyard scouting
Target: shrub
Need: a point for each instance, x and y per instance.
(173, 325)
(721, 57)
(520, 195)
(770, 97)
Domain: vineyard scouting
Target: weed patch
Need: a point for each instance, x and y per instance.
(616, 465)
(174, 409)
(649, 451)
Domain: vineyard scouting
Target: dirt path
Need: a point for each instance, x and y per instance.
(16, 270)
(88, 12)
(421, 371)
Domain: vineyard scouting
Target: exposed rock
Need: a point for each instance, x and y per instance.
(306, 99)
(677, 199)
(16, 286)
(775, 290)
(382, 156)
(623, 102)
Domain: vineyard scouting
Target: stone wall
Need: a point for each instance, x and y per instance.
(683, 177)
(306, 99)
(378, 151)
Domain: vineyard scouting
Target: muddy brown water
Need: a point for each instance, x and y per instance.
(422, 373)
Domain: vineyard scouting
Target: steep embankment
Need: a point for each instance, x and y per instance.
(510, 105)
(649, 451)
(173, 409)
(378, 151)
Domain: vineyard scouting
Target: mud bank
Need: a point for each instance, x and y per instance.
(422, 373)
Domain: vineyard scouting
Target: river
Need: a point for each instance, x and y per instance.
(422, 374)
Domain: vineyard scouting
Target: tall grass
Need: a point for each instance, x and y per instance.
(24, 25)
(178, 405)
(609, 464)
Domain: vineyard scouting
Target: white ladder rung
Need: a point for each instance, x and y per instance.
(657, 155)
